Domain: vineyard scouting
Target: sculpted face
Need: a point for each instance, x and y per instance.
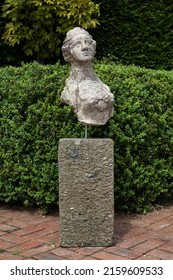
(82, 48)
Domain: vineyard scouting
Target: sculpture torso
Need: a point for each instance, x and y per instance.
(91, 99)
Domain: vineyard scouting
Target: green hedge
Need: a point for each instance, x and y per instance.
(32, 120)
(136, 32)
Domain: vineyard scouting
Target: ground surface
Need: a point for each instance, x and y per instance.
(30, 235)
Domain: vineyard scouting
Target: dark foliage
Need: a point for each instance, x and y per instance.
(136, 32)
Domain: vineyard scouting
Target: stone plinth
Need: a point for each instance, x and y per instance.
(86, 192)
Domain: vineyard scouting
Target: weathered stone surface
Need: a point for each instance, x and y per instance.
(86, 183)
(90, 98)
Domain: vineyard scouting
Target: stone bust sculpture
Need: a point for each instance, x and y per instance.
(90, 98)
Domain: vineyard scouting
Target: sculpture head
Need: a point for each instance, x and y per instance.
(78, 46)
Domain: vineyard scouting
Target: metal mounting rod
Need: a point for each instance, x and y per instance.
(86, 131)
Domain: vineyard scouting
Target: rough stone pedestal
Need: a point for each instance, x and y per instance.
(86, 195)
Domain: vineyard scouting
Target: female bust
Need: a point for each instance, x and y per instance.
(91, 99)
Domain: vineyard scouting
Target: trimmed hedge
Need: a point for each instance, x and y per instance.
(32, 120)
(136, 32)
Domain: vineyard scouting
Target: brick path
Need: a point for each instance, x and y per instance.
(30, 235)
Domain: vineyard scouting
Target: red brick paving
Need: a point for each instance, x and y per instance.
(30, 235)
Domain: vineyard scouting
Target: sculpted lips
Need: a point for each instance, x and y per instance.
(86, 53)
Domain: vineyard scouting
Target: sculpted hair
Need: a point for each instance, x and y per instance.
(69, 39)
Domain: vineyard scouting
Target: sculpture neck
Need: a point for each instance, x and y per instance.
(82, 71)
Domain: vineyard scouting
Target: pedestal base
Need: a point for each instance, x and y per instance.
(86, 192)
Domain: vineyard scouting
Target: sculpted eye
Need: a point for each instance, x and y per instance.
(76, 44)
(89, 42)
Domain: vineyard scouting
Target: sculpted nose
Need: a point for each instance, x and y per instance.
(84, 46)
